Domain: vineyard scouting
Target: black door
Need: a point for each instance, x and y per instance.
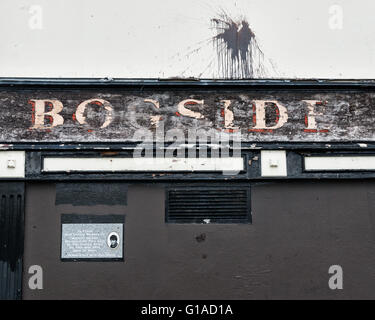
(11, 239)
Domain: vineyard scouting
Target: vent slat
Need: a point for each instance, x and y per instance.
(218, 204)
(191, 195)
(208, 209)
(208, 193)
(217, 199)
(208, 203)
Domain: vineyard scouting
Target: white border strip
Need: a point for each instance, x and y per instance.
(339, 163)
(60, 164)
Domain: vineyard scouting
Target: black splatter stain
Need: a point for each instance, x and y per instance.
(239, 55)
(201, 237)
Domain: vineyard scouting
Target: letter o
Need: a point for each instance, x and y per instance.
(82, 107)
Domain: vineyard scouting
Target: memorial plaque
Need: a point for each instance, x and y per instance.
(86, 238)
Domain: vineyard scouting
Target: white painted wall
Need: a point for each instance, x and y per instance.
(171, 38)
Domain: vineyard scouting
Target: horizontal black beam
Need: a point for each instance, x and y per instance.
(251, 172)
(129, 146)
(188, 82)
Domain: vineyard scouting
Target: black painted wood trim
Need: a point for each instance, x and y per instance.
(186, 82)
(12, 197)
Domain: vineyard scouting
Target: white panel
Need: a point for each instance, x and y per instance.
(12, 164)
(273, 163)
(142, 164)
(337, 163)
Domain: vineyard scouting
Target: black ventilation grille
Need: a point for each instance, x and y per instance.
(208, 205)
(11, 239)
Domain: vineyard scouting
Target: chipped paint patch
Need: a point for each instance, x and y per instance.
(6, 146)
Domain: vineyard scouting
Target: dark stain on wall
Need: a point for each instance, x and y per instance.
(238, 52)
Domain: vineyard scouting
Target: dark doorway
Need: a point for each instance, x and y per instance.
(11, 239)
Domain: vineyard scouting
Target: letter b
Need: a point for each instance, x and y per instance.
(40, 113)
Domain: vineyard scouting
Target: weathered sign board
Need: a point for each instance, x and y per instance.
(121, 115)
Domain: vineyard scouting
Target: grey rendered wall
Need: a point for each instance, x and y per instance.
(299, 230)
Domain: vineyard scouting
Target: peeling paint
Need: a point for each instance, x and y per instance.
(5, 146)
